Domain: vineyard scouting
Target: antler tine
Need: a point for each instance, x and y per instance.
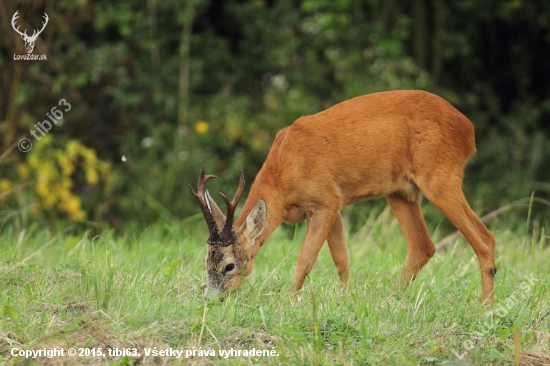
(202, 184)
(231, 206)
(204, 205)
(13, 19)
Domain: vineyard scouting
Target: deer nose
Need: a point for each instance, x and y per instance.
(212, 293)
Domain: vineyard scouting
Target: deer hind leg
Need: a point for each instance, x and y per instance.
(338, 250)
(447, 195)
(420, 247)
(318, 229)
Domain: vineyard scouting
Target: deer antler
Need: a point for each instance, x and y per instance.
(13, 19)
(35, 34)
(24, 34)
(215, 238)
(231, 206)
(205, 205)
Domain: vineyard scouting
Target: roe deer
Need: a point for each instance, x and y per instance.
(395, 144)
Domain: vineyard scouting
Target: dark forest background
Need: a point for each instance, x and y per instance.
(157, 86)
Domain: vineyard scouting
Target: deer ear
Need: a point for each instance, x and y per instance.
(256, 219)
(217, 214)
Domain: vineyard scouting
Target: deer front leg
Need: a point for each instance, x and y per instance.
(317, 231)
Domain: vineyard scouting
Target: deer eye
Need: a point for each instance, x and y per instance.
(229, 268)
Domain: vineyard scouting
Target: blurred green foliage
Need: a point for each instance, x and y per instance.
(169, 83)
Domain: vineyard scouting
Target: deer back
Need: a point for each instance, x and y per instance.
(362, 148)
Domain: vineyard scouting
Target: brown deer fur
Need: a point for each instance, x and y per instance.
(395, 144)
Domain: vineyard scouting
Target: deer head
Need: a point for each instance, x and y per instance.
(230, 250)
(29, 40)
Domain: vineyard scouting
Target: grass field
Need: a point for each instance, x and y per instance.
(141, 290)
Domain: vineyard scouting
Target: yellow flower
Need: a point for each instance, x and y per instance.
(23, 171)
(71, 205)
(53, 172)
(91, 177)
(5, 185)
(201, 127)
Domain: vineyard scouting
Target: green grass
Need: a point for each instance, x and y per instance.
(142, 290)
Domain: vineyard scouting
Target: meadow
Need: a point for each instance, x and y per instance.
(140, 290)
(102, 249)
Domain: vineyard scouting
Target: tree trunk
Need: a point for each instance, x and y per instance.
(437, 60)
(421, 40)
(185, 43)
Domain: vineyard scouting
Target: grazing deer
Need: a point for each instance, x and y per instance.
(395, 144)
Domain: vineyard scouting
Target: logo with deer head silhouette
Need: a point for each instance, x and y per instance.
(29, 40)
